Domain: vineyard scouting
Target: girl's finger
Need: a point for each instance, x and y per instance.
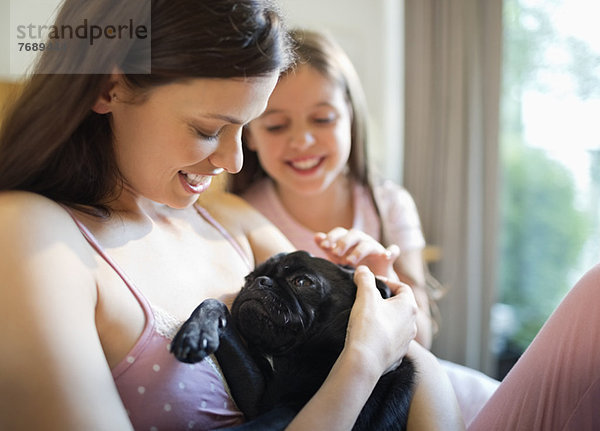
(366, 249)
(393, 252)
(342, 240)
(328, 240)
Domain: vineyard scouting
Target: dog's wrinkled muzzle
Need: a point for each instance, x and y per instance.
(266, 320)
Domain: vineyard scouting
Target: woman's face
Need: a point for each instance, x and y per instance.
(303, 138)
(170, 145)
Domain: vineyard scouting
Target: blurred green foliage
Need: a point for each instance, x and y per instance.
(542, 232)
(541, 238)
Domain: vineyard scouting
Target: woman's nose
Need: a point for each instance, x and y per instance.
(228, 154)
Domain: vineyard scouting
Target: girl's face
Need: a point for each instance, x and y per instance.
(303, 138)
(170, 145)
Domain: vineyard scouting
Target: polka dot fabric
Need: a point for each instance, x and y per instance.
(161, 393)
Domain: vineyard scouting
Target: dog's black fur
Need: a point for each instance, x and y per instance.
(292, 314)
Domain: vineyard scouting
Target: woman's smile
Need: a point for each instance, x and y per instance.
(194, 183)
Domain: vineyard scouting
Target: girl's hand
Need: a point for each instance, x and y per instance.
(381, 329)
(354, 247)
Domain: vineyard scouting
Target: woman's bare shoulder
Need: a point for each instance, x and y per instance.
(34, 219)
(19, 207)
(39, 240)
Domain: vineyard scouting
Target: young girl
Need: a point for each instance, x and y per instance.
(305, 169)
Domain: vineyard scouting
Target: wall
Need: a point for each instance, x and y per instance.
(15, 60)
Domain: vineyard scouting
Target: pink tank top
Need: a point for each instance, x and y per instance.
(397, 210)
(159, 392)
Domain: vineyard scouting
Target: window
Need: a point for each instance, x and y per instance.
(550, 164)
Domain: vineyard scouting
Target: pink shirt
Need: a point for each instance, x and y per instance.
(397, 207)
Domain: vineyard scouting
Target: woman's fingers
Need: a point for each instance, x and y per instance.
(395, 285)
(366, 289)
(381, 327)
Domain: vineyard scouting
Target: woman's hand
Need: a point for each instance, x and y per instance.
(378, 336)
(354, 247)
(381, 329)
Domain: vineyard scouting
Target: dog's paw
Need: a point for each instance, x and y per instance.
(199, 336)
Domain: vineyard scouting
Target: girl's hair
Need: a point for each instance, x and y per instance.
(320, 51)
(52, 143)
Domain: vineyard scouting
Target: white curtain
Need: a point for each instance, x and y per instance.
(453, 63)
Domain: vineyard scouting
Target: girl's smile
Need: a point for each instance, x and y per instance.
(303, 138)
(306, 165)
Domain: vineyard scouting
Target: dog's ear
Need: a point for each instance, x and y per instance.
(348, 270)
(383, 288)
(276, 257)
(271, 261)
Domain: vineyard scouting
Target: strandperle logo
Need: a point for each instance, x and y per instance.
(84, 31)
(76, 36)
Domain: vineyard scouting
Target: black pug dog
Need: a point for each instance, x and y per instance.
(291, 314)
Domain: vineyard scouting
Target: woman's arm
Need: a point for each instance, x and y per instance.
(54, 373)
(434, 405)
(378, 336)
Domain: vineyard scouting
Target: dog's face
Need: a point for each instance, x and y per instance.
(289, 296)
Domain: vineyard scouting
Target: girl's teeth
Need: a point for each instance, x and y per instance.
(306, 164)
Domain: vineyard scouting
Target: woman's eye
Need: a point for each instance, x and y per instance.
(302, 281)
(206, 132)
(207, 136)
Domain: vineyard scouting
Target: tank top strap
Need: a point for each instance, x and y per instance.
(234, 243)
(91, 239)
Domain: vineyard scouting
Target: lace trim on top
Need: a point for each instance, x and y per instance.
(167, 325)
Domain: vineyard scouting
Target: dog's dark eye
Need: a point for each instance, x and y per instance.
(302, 281)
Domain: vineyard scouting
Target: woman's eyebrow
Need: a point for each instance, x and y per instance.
(223, 117)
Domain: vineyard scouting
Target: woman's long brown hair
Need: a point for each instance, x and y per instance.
(51, 141)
